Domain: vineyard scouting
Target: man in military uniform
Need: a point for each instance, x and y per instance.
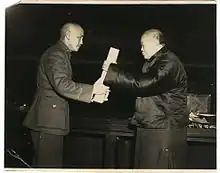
(48, 117)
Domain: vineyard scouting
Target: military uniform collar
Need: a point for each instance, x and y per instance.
(63, 46)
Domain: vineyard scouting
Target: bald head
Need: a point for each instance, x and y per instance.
(69, 27)
(72, 35)
(152, 41)
(155, 34)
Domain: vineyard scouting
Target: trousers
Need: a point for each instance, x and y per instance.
(160, 148)
(48, 150)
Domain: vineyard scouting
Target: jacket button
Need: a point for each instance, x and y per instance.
(54, 106)
(166, 149)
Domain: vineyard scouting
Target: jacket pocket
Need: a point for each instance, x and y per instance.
(51, 113)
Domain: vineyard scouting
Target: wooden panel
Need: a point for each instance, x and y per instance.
(201, 155)
(109, 151)
(83, 151)
(124, 152)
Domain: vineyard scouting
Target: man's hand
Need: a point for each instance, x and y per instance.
(100, 92)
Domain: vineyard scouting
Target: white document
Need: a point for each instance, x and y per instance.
(111, 58)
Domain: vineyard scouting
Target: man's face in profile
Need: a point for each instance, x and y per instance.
(148, 46)
(76, 38)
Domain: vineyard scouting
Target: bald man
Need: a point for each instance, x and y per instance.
(48, 117)
(161, 114)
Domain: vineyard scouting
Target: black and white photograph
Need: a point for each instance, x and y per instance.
(110, 86)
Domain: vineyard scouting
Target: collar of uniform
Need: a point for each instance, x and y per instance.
(64, 47)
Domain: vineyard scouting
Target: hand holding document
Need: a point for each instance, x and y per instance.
(100, 90)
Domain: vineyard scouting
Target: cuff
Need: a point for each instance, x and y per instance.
(86, 94)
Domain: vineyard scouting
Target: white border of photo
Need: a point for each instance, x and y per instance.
(7, 3)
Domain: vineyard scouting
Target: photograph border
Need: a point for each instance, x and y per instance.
(7, 3)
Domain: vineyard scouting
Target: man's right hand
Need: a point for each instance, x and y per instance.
(100, 92)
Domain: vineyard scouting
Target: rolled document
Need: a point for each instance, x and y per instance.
(111, 58)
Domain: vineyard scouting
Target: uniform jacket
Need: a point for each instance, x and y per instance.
(50, 110)
(160, 91)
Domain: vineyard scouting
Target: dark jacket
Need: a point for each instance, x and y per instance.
(160, 91)
(50, 110)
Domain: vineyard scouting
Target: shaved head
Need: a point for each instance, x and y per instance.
(72, 36)
(69, 27)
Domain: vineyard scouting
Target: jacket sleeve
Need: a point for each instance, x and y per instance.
(56, 70)
(148, 84)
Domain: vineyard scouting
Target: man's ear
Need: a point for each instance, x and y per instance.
(158, 38)
(68, 35)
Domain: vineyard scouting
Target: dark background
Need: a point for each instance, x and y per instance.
(30, 29)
